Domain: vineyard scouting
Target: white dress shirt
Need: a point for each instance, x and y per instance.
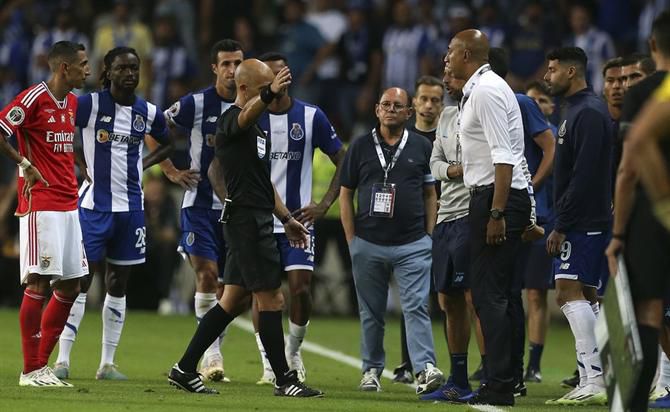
(491, 130)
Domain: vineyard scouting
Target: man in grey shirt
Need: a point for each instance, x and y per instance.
(451, 246)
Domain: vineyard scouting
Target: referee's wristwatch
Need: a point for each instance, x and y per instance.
(496, 214)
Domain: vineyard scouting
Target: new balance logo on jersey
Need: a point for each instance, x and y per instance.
(51, 120)
(105, 119)
(211, 119)
(565, 266)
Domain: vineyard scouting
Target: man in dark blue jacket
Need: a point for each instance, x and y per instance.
(583, 201)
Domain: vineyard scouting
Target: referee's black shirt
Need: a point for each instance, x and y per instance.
(244, 155)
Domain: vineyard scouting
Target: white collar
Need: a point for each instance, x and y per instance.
(474, 79)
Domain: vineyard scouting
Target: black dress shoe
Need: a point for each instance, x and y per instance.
(486, 396)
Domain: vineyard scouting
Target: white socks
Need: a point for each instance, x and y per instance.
(261, 350)
(203, 303)
(663, 372)
(113, 318)
(69, 334)
(296, 336)
(582, 323)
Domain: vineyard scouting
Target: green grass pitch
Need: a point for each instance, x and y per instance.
(151, 344)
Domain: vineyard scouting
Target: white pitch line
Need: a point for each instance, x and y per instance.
(312, 347)
(487, 408)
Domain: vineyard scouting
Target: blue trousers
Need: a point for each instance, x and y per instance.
(373, 266)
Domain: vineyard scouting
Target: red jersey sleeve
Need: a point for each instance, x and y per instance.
(19, 112)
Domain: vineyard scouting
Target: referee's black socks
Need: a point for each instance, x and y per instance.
(649, 343)
(272, 336)
(210, 327)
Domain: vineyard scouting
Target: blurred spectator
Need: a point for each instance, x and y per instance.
(406, 49)
(217, 18)
(303, 46)
(360, 53)
(459, 18)
(490, 24)
(331, 23)
(651, 9)
(15, 40)
(123, 30)
(528, 41)
(9, 85)
(154, 278)
(170, 61)
(245, 33)
(597, 44)
(184, 16)
(63, 29)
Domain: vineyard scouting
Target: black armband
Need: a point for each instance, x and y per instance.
(267, 95)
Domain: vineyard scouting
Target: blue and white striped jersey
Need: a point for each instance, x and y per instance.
(197, 113)
(113, 139)
(294, 135)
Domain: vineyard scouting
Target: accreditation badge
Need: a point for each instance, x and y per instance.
(382, 201)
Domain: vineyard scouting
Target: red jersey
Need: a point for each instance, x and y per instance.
(44, 129)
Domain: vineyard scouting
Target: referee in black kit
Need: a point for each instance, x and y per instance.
(252, 262)
(491, 130)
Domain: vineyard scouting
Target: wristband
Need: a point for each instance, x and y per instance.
(284, 220)
(267, 95)
(24, 164)
(620, 236)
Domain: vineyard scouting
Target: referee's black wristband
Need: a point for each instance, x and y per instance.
(286, 218)
(620, 236)
(267, 95)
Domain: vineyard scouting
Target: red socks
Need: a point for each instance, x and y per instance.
(53, 322)
(30, 317)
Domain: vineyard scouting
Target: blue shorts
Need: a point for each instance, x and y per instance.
(582, 257)
(202, 235)
(534, 266)
(451, 255)
(119, 236)
(294, 258)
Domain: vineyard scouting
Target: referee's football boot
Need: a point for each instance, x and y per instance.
(188, 381)
(295, 389)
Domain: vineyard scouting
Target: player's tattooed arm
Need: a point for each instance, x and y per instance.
(311, 213)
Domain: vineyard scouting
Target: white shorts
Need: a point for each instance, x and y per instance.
(51, 245)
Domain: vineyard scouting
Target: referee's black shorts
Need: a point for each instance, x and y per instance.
(253, 259)
(647, 254)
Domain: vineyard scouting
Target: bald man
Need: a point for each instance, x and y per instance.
(491, 130)
(252, 263)
(390, 234)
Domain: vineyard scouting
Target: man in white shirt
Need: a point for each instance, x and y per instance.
(491, 135)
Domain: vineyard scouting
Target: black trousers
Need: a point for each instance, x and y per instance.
(492, 282)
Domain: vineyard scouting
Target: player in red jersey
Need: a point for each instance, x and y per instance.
(52, 256)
